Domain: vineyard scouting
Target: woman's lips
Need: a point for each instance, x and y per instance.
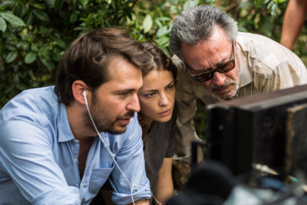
(165, 113)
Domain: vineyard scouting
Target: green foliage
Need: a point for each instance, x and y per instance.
(272, 5)
(34, 34)
(151, 20)
(262, 16)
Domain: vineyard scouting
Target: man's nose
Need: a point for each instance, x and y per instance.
(134, 104)
(218, 78)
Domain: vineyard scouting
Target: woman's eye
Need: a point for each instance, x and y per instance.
(170, 87)
(149, 95)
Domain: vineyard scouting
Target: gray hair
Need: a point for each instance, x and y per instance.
(197, 24)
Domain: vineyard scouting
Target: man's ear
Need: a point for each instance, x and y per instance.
(78, 87)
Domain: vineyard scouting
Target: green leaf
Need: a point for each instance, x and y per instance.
(30, 57)
(1, 49)
(43, 52)
(21, 86)
(160, 25)
(38, 6)
(9, 47)
(33, 78)
(74, 17)
(44, 30)
(164, 19)
(41, 15)
(58, 56)
(9, 2)
(47, 62)
(163, 31)
(167, 52)
(2, 24)
(175, 9)
(147, 23)
(50, 3)
(163, 41)
(24, 45)
(11, 18)
(60, 43)
(173, 1)
(190, 4)
(57, 4)
(29, 19)
(84, 2)
(21, 10)
(34, 47)
(11, 57)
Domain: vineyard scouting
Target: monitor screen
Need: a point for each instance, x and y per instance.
(265, 129)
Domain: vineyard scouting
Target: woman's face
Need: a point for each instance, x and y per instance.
(157, 96)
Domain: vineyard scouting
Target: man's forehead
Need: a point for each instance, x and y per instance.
(117, 63)
(123, 77)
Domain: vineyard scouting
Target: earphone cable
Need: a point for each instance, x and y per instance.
(88, 110)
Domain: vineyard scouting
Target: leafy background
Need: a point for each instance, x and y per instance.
(35, 33)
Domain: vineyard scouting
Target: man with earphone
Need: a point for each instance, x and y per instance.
(59, 144)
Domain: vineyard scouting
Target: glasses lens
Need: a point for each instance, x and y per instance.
(223, 69)
(203, 77)
(209, 74)
(227, 67)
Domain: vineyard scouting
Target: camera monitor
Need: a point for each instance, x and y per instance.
(268, 128)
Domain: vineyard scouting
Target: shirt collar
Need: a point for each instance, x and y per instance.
(64, 131)
(245, 74)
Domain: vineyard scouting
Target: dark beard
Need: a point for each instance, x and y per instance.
(103, 128)
(106, 125)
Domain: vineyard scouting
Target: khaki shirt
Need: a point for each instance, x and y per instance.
(265, 66)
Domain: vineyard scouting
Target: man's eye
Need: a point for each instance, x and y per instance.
(123, 94)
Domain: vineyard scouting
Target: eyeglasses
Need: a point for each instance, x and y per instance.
(207, 75)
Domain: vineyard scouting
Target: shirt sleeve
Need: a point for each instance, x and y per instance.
(130, 181)
(186, 109)
(283, 76)
(26, 157)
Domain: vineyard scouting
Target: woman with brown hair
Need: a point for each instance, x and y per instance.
(157, 119)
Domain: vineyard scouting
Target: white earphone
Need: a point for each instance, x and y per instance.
(85, 99)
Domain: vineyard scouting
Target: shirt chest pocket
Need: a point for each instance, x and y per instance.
(98, 178)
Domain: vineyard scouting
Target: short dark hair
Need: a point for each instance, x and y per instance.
(197, 24)
(160, 61)
(88, 57)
